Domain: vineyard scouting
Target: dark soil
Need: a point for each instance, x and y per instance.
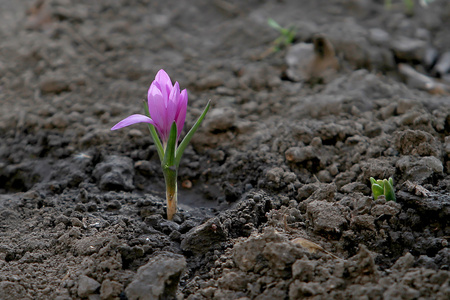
(274, 198)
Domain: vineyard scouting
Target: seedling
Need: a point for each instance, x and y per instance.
(165, 114)
(287, 35)
(408, 4)
(383, 187)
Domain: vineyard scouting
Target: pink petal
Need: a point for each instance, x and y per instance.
(164, 83)
(156, 105)
(172, 105)
(180, 117)
(133, 119)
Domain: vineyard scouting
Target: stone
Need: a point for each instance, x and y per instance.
(325, 216)
(300, 154)
(158, 279)
(269, 249)
(303, 270)
(220, 119)
(201, 238)
(417, 142)
(419, 170)
(407, 49)
(302, 290)
(12, 290)
(87, 286)
(236, 281)
(378, 36)
(53, 86)
(420, 81)
(315, 61)
(442, 66)
(115, 173)
(110, 289)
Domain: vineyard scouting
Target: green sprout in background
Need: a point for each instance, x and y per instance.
(408, 4)
(383, 187)
(287, 35)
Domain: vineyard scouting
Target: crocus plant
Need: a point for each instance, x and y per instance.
(383, 187)
(165, 115)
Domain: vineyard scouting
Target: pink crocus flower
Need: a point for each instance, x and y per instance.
(166, 104)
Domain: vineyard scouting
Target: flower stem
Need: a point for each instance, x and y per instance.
(170, 176)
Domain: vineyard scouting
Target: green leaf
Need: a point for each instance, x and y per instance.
(372, 181)
(190, 134)
(389, 193)
(377, 191)
(272, 23)
(391, 181)
(169, 155)
(154, 134)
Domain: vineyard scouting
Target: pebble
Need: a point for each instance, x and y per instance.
(158, 279)
(408, 49)
(87, 286)
(53, 86)
(220, 119)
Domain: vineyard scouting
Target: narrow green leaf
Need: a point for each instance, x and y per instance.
(372, 181)
(189, 136)
(154, 134)
(272, 23)
(391, 181)
(169, 155)
(377, 191)
(389, 193)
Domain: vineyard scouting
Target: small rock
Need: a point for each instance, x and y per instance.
(115, 173)
(267, 249)
(235, 281)
(325, 216)
(110, 289)
(381, 209)
(417, 142)
(86, 286)
(201, 238)
(431, 56)
(302, 290)
(364, 222)
(303, 269)
(158, 279)
(300, 154)
(220, 119)
(315, 61)
(442, 66)
(420, 81)
(12, 290)
(274, 175)
(211, 81)
(408, 49)
(378, 36)
(95, 137)
(362, 267)
(404, 263)
(419, 170)
(54, 86)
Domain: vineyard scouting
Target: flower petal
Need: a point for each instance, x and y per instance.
(180, 116)
(156, 105)
(172, 104)
(164, 83)
(133, 119)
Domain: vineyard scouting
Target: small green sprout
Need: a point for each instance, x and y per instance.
(408, 4)
(383, 187)
(287, 35)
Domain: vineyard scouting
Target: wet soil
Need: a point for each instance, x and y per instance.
(274, 192)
